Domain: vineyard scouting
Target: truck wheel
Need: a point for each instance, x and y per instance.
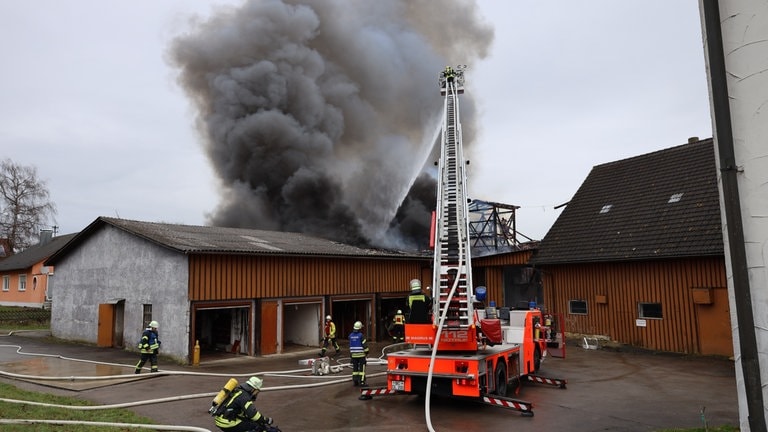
(536, 359)
(501, 379)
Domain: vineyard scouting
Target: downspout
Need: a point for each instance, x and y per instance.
(729, 171)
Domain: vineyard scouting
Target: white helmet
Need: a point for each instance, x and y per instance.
(328, 318)
(358, 325)
(153, 324)
(415, 284)
(255, 383)
(399, 311)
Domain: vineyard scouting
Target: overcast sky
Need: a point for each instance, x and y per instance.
(88, 97)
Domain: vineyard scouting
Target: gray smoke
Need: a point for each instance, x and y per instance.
(319, 116)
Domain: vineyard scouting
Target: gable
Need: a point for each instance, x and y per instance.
(659, 205)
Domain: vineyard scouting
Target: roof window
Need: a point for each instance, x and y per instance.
(606, 208)
(675, 198)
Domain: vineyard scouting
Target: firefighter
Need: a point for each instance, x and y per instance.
(398, 327)
(419, 304)
(449, 74)
(358, 350)
(149, 346)
(239, 414)
(329, 336)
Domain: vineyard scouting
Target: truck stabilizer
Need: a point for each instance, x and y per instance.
(560, 383)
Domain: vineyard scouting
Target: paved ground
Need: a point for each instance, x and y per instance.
(608, 390)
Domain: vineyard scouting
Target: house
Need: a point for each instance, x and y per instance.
(637, 255)
(25, 277)
(232, 290)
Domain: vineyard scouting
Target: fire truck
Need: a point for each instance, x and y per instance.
(467, 350)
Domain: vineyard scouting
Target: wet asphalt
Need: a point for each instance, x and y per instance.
(608, 389)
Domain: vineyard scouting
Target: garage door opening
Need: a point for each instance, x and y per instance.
(222, 331)
(346, 312)
(387, 309)
(302, 326)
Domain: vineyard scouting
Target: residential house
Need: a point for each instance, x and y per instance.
(637, 255)
(25, 277)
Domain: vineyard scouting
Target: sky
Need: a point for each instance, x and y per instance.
(90, 98)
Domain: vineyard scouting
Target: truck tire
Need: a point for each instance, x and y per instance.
(500, 376)
(536, 359)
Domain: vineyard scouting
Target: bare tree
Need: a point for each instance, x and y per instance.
(25, 206)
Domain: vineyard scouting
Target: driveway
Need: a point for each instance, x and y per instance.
(607, 390)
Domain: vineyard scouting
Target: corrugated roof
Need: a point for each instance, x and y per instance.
(658, 205)
(34, 254)
(190, 239)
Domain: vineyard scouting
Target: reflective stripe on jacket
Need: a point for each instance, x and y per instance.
(238, 408)
(149, 342)
(358, 345)
(330, 329)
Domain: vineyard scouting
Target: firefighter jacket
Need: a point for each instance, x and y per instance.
(330, 330)
(420, 305)
(358, 345)
(149, 343)
(237, 408)
(399, 319)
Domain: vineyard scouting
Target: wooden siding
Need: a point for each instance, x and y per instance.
(505, 259)
(492, 269)
(622, 286)
(227, 277)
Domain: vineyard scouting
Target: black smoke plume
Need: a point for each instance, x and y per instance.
(319, 116)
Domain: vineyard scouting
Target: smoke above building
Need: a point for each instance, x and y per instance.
(320, 116)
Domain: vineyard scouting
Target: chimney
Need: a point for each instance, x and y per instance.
(692, 140)
(46, 236)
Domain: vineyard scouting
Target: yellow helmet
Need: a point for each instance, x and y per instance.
(153, 324)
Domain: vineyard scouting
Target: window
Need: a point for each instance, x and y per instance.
(577, 307)
(22, 282)
(147, 314)
(6, 283)
(649, 310)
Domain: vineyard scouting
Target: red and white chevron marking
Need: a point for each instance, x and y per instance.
(383, 391)
(509, 403)
(544, 380)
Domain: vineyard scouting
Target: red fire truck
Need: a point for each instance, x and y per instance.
(466, 350)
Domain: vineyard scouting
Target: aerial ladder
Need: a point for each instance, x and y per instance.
(464, 352)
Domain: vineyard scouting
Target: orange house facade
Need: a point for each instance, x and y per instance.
(25, 277)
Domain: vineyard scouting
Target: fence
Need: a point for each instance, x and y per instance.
(21, 315)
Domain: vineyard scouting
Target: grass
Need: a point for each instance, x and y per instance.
(10, 410)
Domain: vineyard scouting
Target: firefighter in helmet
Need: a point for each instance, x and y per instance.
(329, 336)
(398, 327)
(358, 350)
(449, 73)
(149, 345)
(238, 412)
(419, 304)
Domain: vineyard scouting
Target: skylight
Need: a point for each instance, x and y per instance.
(675, 198)
(606, 208)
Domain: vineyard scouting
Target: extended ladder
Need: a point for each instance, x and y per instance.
(452, 261)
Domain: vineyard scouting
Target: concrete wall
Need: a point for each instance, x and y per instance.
(113, 264)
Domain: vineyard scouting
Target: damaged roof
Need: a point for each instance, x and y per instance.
(190, 239)
(663, 204)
